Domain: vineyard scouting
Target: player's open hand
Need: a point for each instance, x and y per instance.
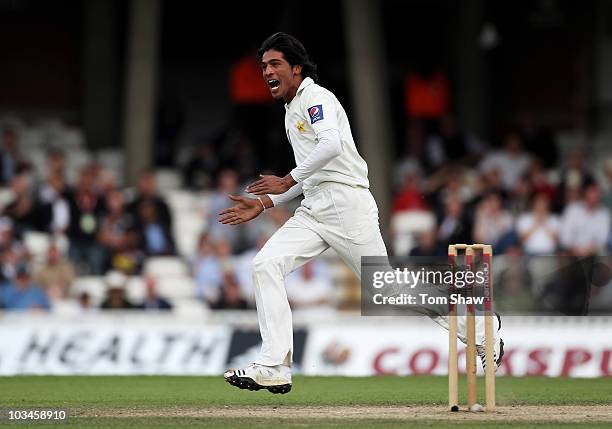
(268, 184)
(244, 210)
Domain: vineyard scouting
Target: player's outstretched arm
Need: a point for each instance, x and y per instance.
(244, 210)
(268, 184)
(293, 192)
(328, 148)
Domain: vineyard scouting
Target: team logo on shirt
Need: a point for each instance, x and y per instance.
(300, 126)
(316, 113)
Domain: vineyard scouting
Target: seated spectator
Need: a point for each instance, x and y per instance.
(147, 195)
(455, 226)
(570, 193)
(227, 183)
(85, 302)
(8, 267)
(538, 230)
(414, 144)
(86, 207)
(105, 180)
(118, 235)
(56, 275)
(115, 298)
(406, 166)
(11, 160)
(155, 237)
(540, 182)
(230, 297)
(12, 251)
(512, 161)
(514, 284)
(23, 208)
(575, 176)
(491, 181)
(519, 200)
(410, 196)
(99, 176)
(56, 163)
(23, 294)
(152, 300)
(202, 167)
(427, 244)
(585, 225)
(208, 267)
(7, 234)
(244, 159)
(310, 287)
(492, 223)
(453, 183)
(54, 207)
(451, 145)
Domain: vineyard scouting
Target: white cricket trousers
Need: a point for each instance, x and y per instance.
(331, 215)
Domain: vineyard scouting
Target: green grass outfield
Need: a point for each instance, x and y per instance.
(389, 402)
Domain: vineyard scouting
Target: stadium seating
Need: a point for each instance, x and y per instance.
(176, 287)
(94, 286)
(405, 227)
(168, 180)
(166, 266)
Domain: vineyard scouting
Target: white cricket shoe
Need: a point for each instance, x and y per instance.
(498, 348)
(276, 379)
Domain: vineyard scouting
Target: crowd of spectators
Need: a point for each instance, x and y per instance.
(506, 197)
(104, 231)
(97, 228)
(516, 196)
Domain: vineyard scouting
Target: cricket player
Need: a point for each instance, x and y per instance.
(337, 211)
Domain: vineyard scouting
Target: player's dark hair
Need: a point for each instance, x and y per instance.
(293, 51)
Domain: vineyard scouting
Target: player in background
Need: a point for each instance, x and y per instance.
(337, 211)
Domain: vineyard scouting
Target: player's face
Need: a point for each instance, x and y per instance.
(279, 75)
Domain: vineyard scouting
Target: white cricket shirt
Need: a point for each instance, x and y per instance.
(315, 109)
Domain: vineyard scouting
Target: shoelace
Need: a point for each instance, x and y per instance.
(483, 355)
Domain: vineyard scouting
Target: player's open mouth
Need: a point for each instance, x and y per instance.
(273, 83)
